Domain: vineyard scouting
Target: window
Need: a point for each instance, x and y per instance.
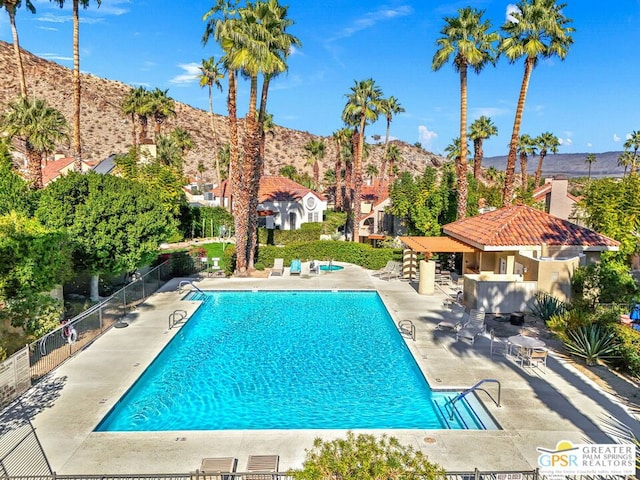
(311, 203)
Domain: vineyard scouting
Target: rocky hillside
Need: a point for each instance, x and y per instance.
(105, 130)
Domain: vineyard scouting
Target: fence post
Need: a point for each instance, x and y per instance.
(476, 473)
(100, 319)
(144, 297)
(124, 299)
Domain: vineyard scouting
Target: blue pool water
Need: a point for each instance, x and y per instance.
(331, 267)
(286, 360)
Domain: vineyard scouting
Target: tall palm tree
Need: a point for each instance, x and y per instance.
(479, 131)
(547, 142)
(467, 39)
(591, 159)
(183, 139)
(389, 107)
(77, 146)
(211, 73)
(162, 107)
(526, 146)
(537, 29)
(40, 127)
(342, 138)
(315, 149)
(625, 159)
(267, 127)
(136, 105)
(11, 6)
(394, 156)
(362, 108)
(633, 142)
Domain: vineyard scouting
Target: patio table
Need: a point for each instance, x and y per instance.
(525, 342)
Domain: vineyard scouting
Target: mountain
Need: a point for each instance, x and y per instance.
(566, 164)
(105, 131)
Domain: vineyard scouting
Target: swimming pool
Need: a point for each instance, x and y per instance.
(287, 360)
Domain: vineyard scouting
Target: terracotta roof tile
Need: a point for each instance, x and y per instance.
(51, 170)
(521, 225)
(276, 188)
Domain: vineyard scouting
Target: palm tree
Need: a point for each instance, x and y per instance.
(394, 156)
(480, 130)
(288, 171)
(138, 105)
(467, 39)
(633, 142)
(547, 141)
(315, 149)
(210, 75)
(388, 107)
(591, 159)
(182, 139)
(372, 171)
(267, 127)
(625, 159)
(342, 138)
(11, 6)
(77, 146)
(537, 29)
(362, 108)
(162, 107)
(40, 127)
(526, 146)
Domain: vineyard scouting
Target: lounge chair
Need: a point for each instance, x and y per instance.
(386, 269)
(296, 267)
(212, 468)
(454, 318)
(474, 327)
(278, 267)
(314, 267)
(261, 466)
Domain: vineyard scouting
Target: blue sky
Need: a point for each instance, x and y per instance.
(591, 100)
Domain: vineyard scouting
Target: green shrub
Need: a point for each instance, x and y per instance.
(592, 342)
(570, 319)
(325, 250)
(229, 260)
(307, 232)
(628, 354)
(545, 306)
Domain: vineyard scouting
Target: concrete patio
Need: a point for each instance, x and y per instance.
(538, 408)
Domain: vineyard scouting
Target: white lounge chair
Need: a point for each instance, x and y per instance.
(213, 468)
(261, 465)
(454, 319)
(278, 267)
(474, 327)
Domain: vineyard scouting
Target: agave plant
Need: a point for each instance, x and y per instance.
(591, 342)
(545, 306)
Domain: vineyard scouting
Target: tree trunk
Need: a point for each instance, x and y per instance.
(507, 191)
(94, 294)
(77, 148)
(133, 130)
(358, 143)
(523, 170)
(16, 51)
(338, 170)
(543, 154)
(477, 157)
(34, 167)
(462, 167)
(215, 138)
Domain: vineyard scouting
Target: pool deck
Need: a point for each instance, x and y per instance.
(537, 408)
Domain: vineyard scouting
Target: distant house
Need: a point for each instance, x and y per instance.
(376, 223)
(282, 203)
(555, 197)
(511, 253)
(60, 166)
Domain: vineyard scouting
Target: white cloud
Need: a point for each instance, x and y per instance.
(426, 136)
(569, 142)
(190, 74)
(370, 19)
(589, 144)
(616, 138)
(55, 57)
(511, 8)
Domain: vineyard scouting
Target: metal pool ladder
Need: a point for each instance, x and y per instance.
(184, 283)
(407, 327)
(471, 389)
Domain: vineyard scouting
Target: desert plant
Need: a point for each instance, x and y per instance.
(545, 306)
(592, 342)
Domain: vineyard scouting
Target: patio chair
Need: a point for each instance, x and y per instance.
(498, 345)
(474, 327)
(536, 357)
(278, 267)
(314, 267)
(391, 264)
(261, 466)
(296, 267)
(454, 319)
(214, 468)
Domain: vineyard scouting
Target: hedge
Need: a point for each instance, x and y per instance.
(308, 232)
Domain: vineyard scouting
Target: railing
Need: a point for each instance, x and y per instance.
(184, 283)
(407, 327)
(40, 357)
(176, 317)
(476, 387)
